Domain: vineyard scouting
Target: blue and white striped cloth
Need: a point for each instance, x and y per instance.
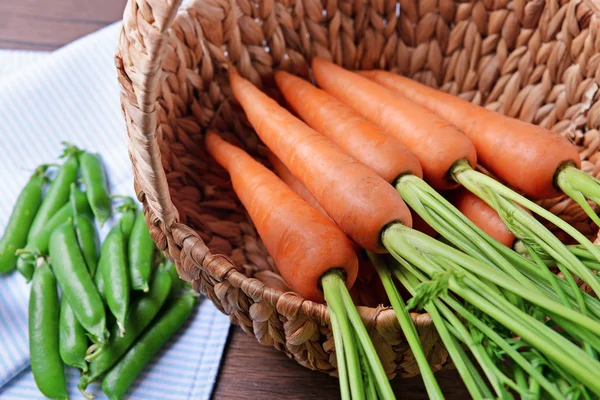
(72, 95)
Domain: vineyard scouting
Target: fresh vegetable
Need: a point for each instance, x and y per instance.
(39, 244)
(313, 255)
(141, 253)
(21, 219)
(58, 193)
(26, 263)
(346, 128)
(88, 242)
(351, 132)
(366, 269)
(92, 175)
(530, 158)
(113, 266)
(408, 327)
(121, 376)
(141, 313)
(77, 286)
(324, 169)
(436, 143)
(298, 187)
(99, 282)
(128, 216)
(73, 339)
(483, 216)
(431, 209)
(398, 116)
(301, 240)
(477, 284)
(453, 329)
(46, 365)
(475, 280)
(60, 330)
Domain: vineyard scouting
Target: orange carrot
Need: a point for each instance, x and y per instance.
(303, 242)
(346, 128)
(286, 176)
(353, 195)
(524, 155)
(437, 144)
(366, 270)
(482, 215)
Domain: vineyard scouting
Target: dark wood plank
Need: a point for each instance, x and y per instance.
(49, 24)
(249, 370)
(252, 371)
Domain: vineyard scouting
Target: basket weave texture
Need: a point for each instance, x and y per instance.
(536, 60)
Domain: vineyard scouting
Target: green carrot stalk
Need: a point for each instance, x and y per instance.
(371, 392)
(340, 355)
(467, 371)
(408, 328)
(554, 346)
(524, 225)
(331, 288)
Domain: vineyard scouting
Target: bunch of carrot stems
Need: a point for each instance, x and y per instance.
(360, 372)
(494, 304)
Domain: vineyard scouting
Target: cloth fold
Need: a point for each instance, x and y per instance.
(72, 95)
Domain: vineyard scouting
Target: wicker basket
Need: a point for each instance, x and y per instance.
(537, 60)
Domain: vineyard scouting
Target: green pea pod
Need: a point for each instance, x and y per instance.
(94, 179)
(141, 313)
(57, 196)
(26, 264)
(99, 280)
(121, 376)
(88, 242)
(46, 365)
(40, 242)
(86, 234)
(73, 339)
(127, 222)
(20, 221)
(74, 279)
(113, 261)
(141, 254)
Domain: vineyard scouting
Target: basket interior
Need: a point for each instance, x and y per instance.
(535, 60)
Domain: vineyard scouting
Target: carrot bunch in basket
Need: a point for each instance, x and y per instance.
(345, 165)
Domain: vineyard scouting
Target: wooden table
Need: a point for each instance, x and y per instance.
(249, 370)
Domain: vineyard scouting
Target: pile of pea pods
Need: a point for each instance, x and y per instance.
(116, 303)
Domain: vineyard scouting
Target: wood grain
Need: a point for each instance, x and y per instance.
(248, 370)
(49, 24)
(252, 371)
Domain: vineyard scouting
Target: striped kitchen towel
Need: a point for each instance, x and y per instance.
(72, 95)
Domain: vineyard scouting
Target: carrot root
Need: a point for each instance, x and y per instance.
(580, 187)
